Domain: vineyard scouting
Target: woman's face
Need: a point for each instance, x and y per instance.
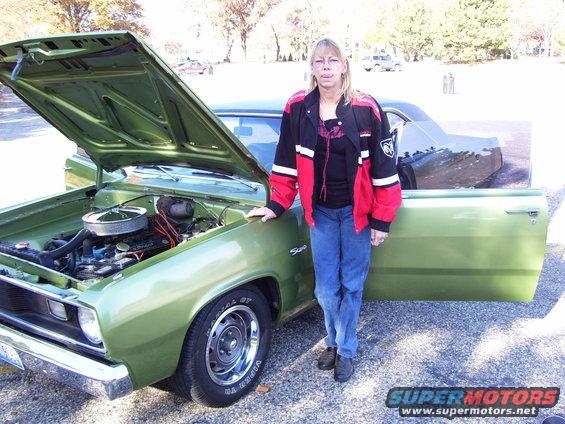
(327, 68)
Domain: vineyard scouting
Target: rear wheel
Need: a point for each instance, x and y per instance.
(225, 350)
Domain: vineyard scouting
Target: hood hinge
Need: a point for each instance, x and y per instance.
(19, 64)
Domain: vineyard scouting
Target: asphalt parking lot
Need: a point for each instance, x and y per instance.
(401, 343)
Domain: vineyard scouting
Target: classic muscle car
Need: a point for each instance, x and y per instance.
(157, 274)
(428, 158)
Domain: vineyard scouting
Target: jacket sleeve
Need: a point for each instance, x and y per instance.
(384, 176)
(283, 177)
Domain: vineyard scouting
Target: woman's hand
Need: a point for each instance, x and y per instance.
(263, 211)
(378, 237)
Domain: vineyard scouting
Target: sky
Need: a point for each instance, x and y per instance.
(164, 18)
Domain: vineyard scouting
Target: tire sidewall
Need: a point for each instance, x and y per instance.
(202, 383)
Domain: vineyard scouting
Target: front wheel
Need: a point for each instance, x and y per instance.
(225, 350)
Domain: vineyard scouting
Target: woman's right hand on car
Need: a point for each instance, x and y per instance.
(263, 211)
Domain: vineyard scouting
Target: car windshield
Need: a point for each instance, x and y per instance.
(259, 134)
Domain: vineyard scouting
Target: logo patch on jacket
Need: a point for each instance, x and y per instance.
(388, 147)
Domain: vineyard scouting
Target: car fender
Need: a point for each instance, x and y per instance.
(145, 314)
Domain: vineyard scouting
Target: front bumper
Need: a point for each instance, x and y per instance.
(68, 367)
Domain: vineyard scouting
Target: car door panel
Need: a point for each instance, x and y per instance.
(462, 245)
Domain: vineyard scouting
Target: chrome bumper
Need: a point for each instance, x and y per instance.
(68, 367)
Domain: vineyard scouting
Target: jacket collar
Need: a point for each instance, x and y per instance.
(343, 112)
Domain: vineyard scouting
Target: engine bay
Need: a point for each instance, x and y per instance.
(114, 238)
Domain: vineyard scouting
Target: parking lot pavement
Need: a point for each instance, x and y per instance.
(401, 344)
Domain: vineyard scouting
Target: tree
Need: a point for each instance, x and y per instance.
(373, 22)
(305, 23)
(94, 15)
(411, 28)
(174, 48)
(277, 43)
(223, 21)
(538, 21)
(472, 29)
(19, 20)
(244, 15)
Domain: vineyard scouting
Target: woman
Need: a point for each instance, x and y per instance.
(335, 145)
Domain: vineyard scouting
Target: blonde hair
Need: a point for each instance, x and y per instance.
(326, 44)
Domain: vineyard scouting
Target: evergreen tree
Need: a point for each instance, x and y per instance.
(411, 28)
(473, 29)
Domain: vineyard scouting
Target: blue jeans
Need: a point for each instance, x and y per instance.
(341, 263)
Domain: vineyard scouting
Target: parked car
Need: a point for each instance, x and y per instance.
(190, 67)
(154, 272)
(378, 62)
(428, 157)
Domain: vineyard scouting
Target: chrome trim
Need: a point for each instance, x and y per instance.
(51, 334)
(398, 112)
(236, 114)
(69, 299)
(249, 114)
(67, 367)
(61, 297)
(529, 211)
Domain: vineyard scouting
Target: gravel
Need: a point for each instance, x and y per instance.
(401, 343)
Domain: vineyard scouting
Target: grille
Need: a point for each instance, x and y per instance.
(15, 299)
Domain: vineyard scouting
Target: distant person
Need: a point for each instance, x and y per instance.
(335, 146)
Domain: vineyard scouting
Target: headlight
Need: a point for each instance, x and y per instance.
(89, 325)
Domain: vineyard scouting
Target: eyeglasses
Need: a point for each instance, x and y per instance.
(331, 61)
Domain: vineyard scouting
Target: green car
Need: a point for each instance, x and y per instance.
(154, 273)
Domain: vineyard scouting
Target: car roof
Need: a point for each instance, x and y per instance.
(275, 106)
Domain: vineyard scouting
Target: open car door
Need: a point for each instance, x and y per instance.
(462, 244)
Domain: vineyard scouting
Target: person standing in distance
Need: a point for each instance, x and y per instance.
(335, 148)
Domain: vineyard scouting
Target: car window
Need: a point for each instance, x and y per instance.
(393, 119)
(259, 134)
(417, 137)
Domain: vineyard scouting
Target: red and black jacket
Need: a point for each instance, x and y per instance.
(373, 178)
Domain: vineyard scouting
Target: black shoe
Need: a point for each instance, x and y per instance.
(326, 361)
(343, 369)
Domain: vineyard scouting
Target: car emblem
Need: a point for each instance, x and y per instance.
(296, 250)
(388, 147)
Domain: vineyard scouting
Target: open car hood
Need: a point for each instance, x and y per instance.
(116, 98)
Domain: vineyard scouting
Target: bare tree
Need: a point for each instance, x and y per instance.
(539, 21)
(224, 23)
(244, 15)
(277, 43)
(306, 23)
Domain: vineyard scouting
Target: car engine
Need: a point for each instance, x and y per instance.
(116, 238)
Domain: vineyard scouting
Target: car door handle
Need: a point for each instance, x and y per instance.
(529, 211)
(67, 168)
(405, 196)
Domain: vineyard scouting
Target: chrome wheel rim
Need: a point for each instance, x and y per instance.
(232, 345)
